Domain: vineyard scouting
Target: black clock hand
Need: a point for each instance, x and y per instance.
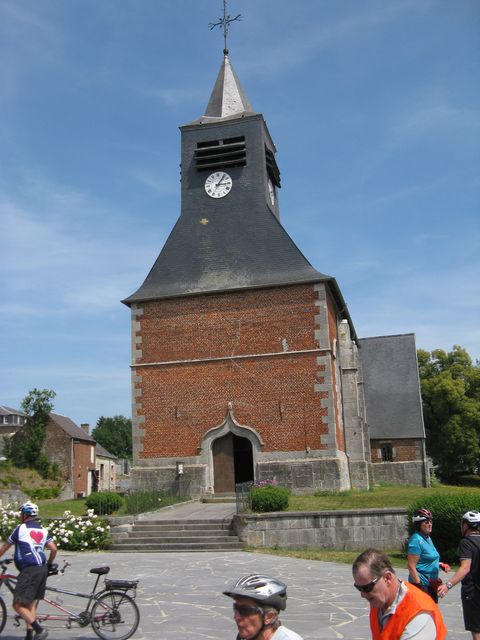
(221, 180)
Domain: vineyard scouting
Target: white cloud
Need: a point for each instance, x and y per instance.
(60, 247)
(427, 118)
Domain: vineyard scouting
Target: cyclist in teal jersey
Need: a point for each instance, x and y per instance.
(423, 558)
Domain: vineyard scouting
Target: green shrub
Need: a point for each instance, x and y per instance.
(43, 493)
(104, 503)
(269, 498)
(446, 511)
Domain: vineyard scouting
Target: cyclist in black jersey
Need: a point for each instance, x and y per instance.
(468, 573)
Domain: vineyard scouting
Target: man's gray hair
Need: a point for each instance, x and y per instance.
(276, 623)
(377, 561)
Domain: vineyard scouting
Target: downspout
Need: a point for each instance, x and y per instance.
(72, 465)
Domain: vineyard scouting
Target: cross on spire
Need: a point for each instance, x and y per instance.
(224, 23)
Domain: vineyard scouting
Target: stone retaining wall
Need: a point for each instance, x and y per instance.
(341, 530)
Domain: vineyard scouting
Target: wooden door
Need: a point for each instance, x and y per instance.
(223, 465)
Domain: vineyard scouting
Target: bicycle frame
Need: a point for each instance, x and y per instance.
(83, 618)
(118, 588)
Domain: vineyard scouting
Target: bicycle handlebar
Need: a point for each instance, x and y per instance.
(4, 563)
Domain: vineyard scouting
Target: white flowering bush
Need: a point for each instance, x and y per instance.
(8, 520)
(70, 533)
(78, 533)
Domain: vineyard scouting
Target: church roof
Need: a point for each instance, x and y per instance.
(222, 253)
(228, 97)
(392, 387)
(242, 248)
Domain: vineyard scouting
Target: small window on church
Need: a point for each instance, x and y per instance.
(387, 452)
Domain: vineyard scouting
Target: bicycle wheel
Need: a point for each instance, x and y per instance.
(3, 614)
(115, 616)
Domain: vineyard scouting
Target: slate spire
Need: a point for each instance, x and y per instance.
(228, 98)
(235, 242)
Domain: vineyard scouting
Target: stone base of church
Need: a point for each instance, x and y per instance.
(307, 475)
(301, 475)
(360, 474)
(412, 472)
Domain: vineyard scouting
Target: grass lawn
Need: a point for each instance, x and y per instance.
(378, 496)
(55, 508)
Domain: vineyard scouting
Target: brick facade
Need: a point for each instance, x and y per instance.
(265, 355)
(76, 459)
(403, 450)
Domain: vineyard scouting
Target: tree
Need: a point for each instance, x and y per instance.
(26, 447)
(115, 435)
(450, 385)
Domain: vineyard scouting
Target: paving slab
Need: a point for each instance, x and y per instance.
(179, 595)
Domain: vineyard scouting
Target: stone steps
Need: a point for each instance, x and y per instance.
(219, 498)
(178, 535)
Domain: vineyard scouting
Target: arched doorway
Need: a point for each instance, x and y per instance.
(232, 462)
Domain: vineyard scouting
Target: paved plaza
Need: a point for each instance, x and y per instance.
(180, 597)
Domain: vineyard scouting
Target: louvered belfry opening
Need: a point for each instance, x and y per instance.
(218, 154)
(272, 167)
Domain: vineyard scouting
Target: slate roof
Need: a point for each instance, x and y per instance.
(247, 249)
(228, 97)
(225, 254)
(70, 428)
(104, 453)
(392, 386)
(8, 411)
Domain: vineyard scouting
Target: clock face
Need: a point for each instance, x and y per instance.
(218, 184)
(271, 191)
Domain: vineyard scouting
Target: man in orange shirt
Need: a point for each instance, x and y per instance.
(398, 610)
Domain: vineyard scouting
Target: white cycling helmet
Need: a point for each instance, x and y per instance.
(473, 518)
(29, 509)
(268, 592)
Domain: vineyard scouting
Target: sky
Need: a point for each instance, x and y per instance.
(374, 107)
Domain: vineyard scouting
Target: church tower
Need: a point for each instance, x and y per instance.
(236, 339)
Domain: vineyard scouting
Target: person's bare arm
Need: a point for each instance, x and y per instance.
(412, 567)
(52, 547)
(458, 576)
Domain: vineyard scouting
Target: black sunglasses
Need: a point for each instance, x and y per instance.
(244, 610)
(367, 588)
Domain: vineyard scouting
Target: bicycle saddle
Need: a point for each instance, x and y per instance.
(100, 570)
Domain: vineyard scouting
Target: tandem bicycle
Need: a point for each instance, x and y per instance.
(111, 611)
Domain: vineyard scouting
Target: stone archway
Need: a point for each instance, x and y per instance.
(231, 449)
(232, 462)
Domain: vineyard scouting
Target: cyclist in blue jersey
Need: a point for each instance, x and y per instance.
(258, 601)
(423, 558)
(30, 540)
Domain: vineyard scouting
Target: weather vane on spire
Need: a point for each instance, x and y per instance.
(224, 23)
